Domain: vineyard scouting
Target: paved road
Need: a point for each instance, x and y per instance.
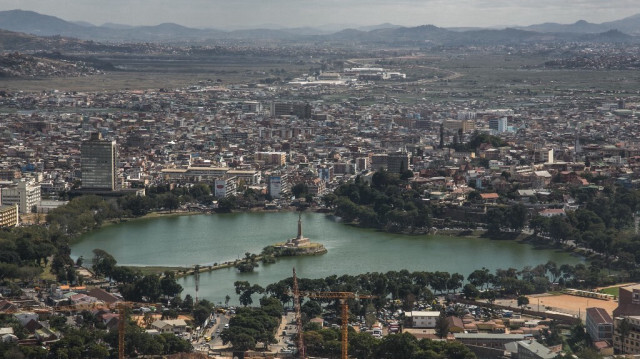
(214, 332)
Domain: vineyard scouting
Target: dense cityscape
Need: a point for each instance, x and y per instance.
(530, 140)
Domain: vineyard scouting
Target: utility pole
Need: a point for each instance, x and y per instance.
(196, 273)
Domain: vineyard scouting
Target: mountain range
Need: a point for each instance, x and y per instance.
(29, 22)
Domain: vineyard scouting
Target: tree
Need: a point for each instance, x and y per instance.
(624, 328)
(523, 302)
(300, 190)
(516, 216)
(245, 290)
(187, 303)
(169, 286)
(170, 201)
(470, 291)
(103, 263)
(455, 282)
(397, 346)
(480, 277)
(442, 325)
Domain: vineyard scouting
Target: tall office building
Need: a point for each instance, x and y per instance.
(299, 109)
(24, 193)
(498, 125)
(99, 163)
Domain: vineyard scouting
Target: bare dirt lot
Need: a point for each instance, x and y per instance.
(565, 303)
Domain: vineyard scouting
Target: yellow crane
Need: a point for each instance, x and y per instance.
(343, 297)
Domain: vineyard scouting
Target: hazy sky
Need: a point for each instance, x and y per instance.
(242, 13)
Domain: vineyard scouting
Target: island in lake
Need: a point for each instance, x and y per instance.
(299, 245)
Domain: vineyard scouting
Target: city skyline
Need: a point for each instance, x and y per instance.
(312, 13)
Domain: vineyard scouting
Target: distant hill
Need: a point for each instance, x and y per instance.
(426, 35)
(386, 25)
(629, 25)
(16, 41)
(20, 65)
(37, 24)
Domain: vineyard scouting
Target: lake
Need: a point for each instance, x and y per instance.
(207, 239)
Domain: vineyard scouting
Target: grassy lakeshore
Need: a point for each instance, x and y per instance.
(150, 215)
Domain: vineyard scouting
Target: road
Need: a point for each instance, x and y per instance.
(286, 325)
(201, 345)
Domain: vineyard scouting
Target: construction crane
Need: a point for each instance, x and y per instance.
(119, 306)
(342, 296)
(296, 303)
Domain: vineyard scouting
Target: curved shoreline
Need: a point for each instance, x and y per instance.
(187, 271)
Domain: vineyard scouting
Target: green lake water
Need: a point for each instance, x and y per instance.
(208, 239)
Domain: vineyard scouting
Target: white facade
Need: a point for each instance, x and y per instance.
(424, 319)
(24, 194)
(498, 125)
(275, 186)
(225, 188)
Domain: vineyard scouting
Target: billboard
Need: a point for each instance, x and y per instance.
(220, 188)
(275, 186)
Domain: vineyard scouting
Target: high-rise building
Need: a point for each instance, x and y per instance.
(398, 162)
(26, 194)
(9, 216)
(499, 124)
(278, 185)
(225, 187)
(299, 109)
(99, 160)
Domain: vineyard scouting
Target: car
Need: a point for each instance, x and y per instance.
(226, 326)
(218, 331)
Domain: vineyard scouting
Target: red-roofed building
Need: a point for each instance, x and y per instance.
(489, 197)
(599, 324)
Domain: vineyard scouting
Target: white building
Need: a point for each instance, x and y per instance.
(25, 194)
(225, 187)
(498, 125)
(423, 319)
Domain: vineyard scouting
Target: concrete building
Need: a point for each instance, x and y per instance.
(362, 164)
(530, 349)
(26, 194)
(599, 324)
(630, 343)
(99, 160)
(299, 109)
(496, 341)
(251, 106)
(9, 216)
(498, 124)
(544, 155)
(225, 187)
(277, 185)
(272, 158)
(423, 319)
(628, 301)
(398, 162)
(464, 125)
(378, 162)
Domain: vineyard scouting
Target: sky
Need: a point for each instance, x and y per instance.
(225, 14)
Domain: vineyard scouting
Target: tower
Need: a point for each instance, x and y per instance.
(577, 148)
(99, 163)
